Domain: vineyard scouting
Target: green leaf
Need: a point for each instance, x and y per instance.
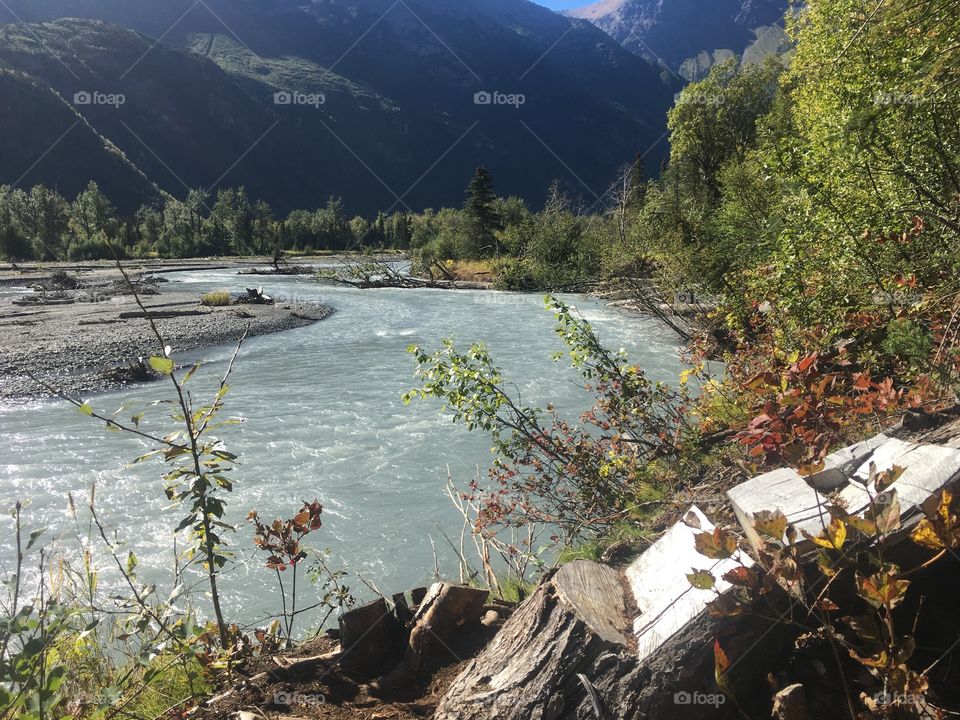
(145, 457)
(89, 629)
(191, 371)
(109, 696)
(164, 366)
(55, 679)
(701, 579)
(33, 538)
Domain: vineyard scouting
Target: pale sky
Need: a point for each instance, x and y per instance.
(562, 4)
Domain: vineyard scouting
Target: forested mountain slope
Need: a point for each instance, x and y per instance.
(396, 122)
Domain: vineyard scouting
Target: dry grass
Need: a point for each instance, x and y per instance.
(472, 270)
(216, 298)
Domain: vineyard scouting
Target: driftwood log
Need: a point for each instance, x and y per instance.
(159, 314)
(370, 273)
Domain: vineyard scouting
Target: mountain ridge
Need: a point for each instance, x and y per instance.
(399, 123)
(688, 36)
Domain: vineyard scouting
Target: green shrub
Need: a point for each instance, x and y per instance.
(515, 274)
(908, 342)
(513, 590)
(216, 298)
(97, 247)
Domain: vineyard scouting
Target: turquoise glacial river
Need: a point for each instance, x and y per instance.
(322, 418)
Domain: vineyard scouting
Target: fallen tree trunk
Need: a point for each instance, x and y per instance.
(394, 281)
(160, 314)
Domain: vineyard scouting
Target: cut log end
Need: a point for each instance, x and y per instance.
(572, 624)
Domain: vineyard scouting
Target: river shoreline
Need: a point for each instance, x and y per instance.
(89, 338)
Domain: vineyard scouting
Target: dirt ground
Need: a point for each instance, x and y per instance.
(327, 691)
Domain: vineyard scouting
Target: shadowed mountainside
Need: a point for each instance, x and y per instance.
(393, 120)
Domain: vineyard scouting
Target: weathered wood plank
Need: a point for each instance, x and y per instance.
(782, 490)
(927, 469)
(663, 594)
(841, 465)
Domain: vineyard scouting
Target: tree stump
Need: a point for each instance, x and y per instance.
(369, 637)
(530, 671)
(444, 609)
(790, 704)
(565, 655)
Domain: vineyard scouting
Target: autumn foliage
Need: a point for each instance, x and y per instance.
(805, 406)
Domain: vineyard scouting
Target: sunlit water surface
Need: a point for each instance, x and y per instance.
(323, 418)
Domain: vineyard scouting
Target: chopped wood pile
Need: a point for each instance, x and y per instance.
(388, 649)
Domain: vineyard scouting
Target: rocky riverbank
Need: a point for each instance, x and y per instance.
(79, 328)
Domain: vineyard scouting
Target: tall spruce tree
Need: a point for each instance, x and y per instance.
(483, 218)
